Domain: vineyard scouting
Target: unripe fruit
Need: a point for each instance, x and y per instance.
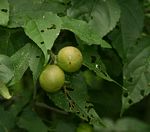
(84, 127)
(52, 78)
(70, 59)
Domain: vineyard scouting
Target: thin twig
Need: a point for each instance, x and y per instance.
(50, 108)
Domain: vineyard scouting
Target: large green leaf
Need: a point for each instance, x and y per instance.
(43, 31)
(136, 73)
(83, 31)
(21, 10)
(4, 12)
(76, 101)
(102, 15)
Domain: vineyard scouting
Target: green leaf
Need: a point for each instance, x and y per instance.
(102, 15)
(4, 12)
(43, 31)
(136, 73)
(83, 31)
(93, 61)
(20, 62)
(132, 19)
(75, 101)
(31, 122)
(4, 91)
(21, 10)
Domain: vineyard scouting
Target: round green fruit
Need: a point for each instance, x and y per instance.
(70, 59)
(84, 127)
(52, 78)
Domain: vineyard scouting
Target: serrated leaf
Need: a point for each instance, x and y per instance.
(136, 73)
(31, 122)
(4, 12)
(93, 61)
(102, 15)
(132, 19)
(20, 62)
(43, 31)
(75, 101)
(83, 31)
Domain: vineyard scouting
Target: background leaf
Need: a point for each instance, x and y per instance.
(136, 73)
(101, 15)
(31, 122)
(131, 26)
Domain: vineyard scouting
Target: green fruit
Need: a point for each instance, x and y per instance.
(84, 127)
(52, 78)
(70, 59)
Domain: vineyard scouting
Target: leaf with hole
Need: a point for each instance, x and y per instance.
(43, 31)
(4, 12)
(136, 73)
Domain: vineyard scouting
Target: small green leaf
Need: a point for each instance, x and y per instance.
(83, 31)
(4, 12)
(43, 31)
(4, 91)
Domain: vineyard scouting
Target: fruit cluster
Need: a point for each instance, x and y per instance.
(52, 78)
